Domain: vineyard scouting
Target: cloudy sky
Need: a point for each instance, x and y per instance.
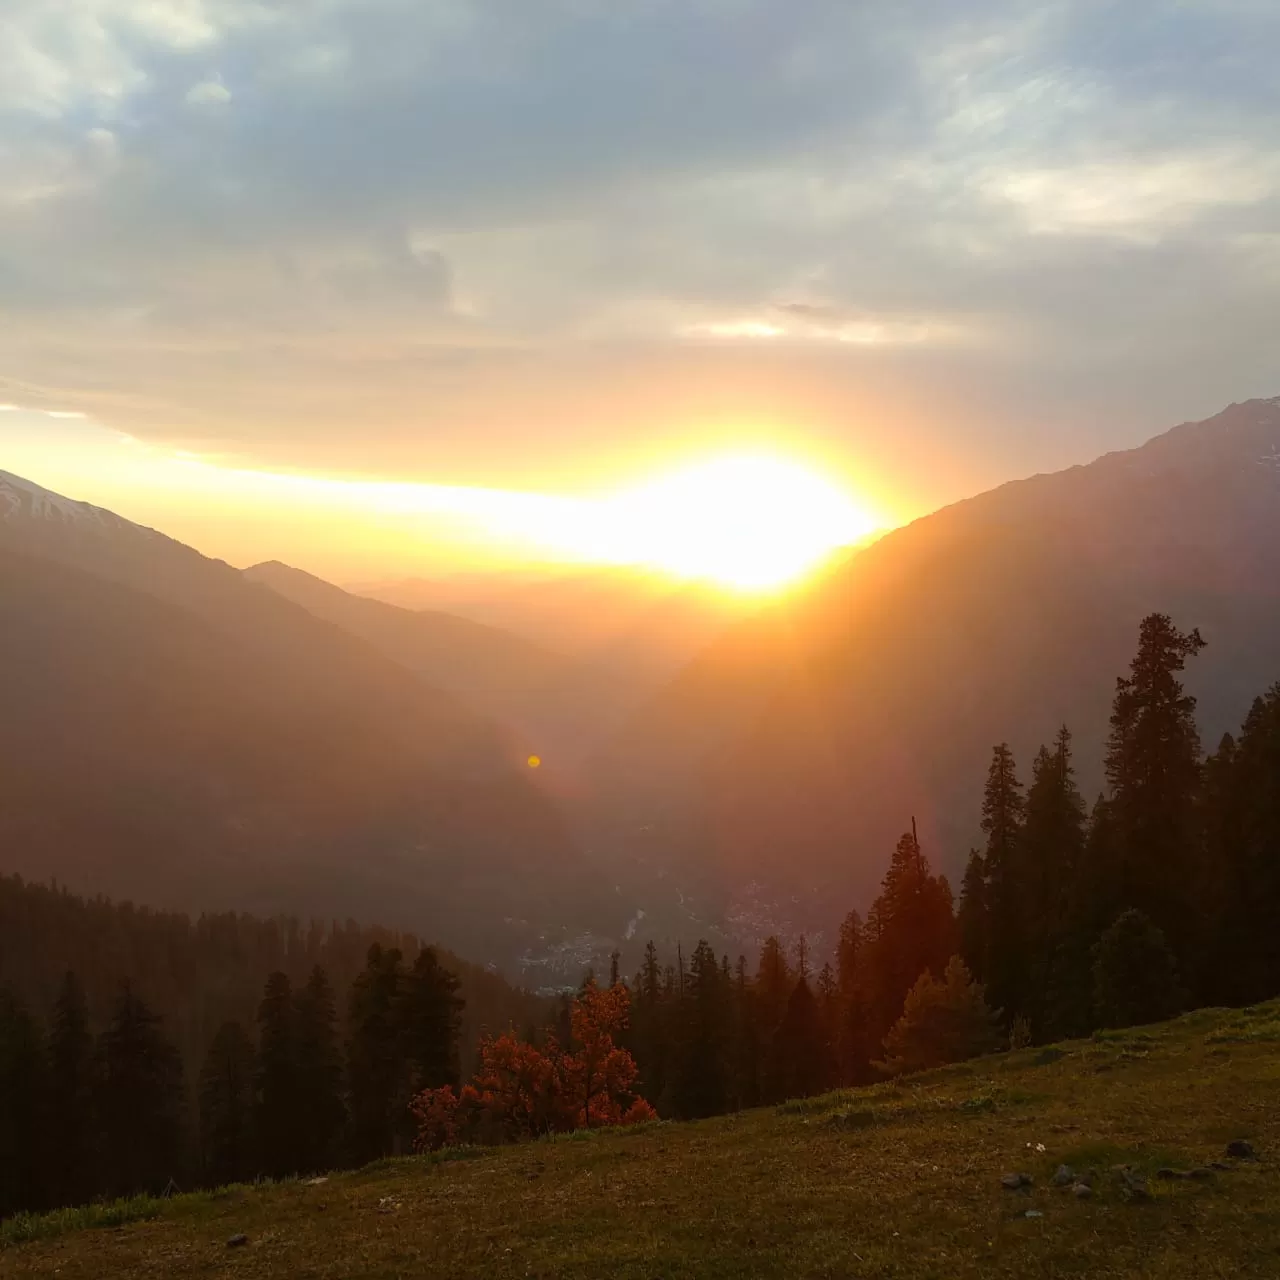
(545, 244)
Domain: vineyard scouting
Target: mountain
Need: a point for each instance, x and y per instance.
(559, 707)
(175, 732)
(795, 749)
(637, 626)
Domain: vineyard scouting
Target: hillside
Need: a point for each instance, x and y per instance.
(553, 704)
(796, 748)
(900, 1179)
(177, 734)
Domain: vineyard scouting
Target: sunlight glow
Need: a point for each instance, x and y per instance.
(744, 521)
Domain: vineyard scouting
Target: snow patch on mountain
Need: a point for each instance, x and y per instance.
(22, 500)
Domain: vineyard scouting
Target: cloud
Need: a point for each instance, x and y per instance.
(208, 93)
(478, 222)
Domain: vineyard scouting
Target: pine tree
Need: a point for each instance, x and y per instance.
(803, 1068)
(1003, 811)
(701, 1088)
(910, 930)
(21, 1108)
(773, 986)
(1052, 852)
(139, 1100)
(280, 1122)
(971, 918)
(942, 1021)
(226, 1095)
(1134, 974)
(377, 1070)
(1153, 768)
(431, 1017)
(70, 1122)
(1242, 842)
(319, 1075)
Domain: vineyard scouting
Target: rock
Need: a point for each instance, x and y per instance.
(1240, 1150)
(1015, 1181)
(1167, 1175)
(1200, 1173)
(317, 1181)
(1219, 1166)
(1033, 1213)
(1064, 1177)
(1082, 1191)
(237, 1240)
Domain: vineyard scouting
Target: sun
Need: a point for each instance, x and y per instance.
(753, 522)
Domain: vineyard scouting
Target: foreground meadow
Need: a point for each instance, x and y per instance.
(898, 1179)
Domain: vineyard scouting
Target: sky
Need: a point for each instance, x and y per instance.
(566, 247)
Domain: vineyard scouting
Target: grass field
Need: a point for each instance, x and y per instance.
(900, 1179)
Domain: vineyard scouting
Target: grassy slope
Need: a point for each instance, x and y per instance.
(896, 1180)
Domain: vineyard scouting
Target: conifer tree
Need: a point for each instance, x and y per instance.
(1003, 813)
(942, 1021)
(1134, 974)
(377, 1071)
(280, 1122)
(226, 1096)
(701, 1088)
(801, 1054)
(139, 1100)
(1242, 843)
(1052, 853)
(971, 918)
(319, 1074)
(1153, 768)
(70, 1121)
(910, 930)
(21, 1138)
(431, 1018)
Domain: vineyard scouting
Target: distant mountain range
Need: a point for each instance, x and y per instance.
(798, 746)
(194, 735)
(180, 733)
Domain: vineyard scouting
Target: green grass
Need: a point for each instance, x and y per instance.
(901, 1179)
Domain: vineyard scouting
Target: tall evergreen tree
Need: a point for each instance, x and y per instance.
(226, 1097)
(69, 1121)
(21, 1097)
(971, 919)
(1052, 853)
(139, 1100)
(910, 930)
(377, 1070)
(803, 1068)
(701, 1088)
(1242, 842)
(1003, 813)
(280, 1122)
(319, 1073)
(431, 1018)
(1153, 768)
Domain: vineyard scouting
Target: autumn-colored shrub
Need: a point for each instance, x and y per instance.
(523, 1091)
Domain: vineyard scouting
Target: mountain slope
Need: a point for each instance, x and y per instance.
(177, 733)
(554, 705)
(879, 694)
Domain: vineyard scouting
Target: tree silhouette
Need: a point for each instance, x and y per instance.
(21, 1139)
(226, 1095)
(139, 1100)
(319, 1074)
(70, 1120)
(942, 1021)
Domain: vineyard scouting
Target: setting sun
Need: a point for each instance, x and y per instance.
(751, 522)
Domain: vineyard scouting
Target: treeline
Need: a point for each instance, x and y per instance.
(201, 973)
(85, 1116)
(1170, 883)
(1162, 896)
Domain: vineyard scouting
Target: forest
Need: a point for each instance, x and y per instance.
(1159, 896)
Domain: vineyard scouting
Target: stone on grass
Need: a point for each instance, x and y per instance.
(1033, 1213)
(1064, 1177)
(1082, 1191)
(1015, 1181)
(1241, 1150)
(237, 1240)
(1200, 1173)
(1167, 1175)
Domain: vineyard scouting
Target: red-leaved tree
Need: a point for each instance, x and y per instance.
(521, 1091)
